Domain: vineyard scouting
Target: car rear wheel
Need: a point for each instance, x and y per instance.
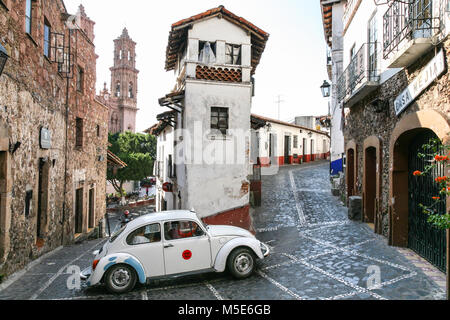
(120, 278)
(241, 263)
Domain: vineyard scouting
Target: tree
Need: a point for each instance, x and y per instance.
(138, 151)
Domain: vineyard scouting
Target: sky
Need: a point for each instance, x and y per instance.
(293, 65)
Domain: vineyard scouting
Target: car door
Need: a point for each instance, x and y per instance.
(145, 243)
(187, 247)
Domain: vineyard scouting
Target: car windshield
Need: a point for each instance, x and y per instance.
(117, 233)
(202, 223)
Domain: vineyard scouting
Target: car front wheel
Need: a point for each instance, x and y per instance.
(241, 263)
(120, 279)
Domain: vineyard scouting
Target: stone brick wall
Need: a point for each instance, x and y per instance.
(33, 95)
(363, 121)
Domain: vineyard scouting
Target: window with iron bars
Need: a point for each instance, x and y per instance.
(219, 119)
(79, 132)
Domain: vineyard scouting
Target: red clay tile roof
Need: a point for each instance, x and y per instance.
(115, 160)
(178, 35)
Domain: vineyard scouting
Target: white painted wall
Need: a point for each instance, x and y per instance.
(211, 178)
(280, 131)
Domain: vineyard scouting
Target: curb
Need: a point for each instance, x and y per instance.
(17, 275)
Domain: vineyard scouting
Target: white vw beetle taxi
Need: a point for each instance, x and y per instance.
(172, 243)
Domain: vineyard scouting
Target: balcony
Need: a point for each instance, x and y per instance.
(408, 29)
(361, 76)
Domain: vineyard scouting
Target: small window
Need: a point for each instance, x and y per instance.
(118, 89)
(98, 130)
(295, 141)
(130, 90)
(207, 52)
(80, 79)
(47, 30)
(28, 200)
(28, 16)
(233, 54)
(79, 132)
(144, 235)
(181, 230)
(219, 119)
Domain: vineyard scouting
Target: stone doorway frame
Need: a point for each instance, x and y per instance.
(398, 168)
(5, 193)
(398, 178)
(375, 143)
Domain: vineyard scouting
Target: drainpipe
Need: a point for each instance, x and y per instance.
(66, 148)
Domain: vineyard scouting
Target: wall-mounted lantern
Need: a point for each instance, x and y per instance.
(13, 147)
(3, 58)
(325, 87)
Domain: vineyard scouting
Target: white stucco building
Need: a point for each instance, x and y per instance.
(204, 141)
(280, 143)
(332, 14)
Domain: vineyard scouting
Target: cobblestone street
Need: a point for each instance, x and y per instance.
(317, 253)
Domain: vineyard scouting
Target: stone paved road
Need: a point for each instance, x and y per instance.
(317, 254)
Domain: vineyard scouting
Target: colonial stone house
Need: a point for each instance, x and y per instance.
(53, 132)
(214, 56)
(395, 94)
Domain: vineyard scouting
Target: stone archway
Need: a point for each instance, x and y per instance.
(404, 133)
(5, 192)
(372, 165)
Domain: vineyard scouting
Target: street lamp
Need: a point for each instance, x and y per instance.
(325, 89)
(3, 58)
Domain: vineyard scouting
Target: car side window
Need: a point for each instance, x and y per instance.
(182, 229)
(147, 234)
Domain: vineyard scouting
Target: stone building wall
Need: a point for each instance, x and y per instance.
(363, 121)
(32, 96)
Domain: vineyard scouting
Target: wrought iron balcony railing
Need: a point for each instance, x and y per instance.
(408, 20)
(363, 69)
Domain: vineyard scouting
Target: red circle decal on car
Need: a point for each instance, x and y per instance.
(187, 255)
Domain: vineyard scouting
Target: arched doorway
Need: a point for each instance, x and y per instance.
(408, 225)
(351, 169)
(370, 184)
(372, 163)
(423, 238)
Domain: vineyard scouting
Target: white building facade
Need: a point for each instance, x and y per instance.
(332, 13)
(280, 143)
(204, 141)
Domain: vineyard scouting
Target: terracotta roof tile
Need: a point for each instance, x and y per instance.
(178, 35)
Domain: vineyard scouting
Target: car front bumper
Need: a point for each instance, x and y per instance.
(86, 273)
(265, 249)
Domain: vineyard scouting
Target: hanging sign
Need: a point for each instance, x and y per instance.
(432, 70)
(45, 139)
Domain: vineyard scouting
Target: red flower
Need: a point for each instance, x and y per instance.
(417, 173)
(441, 158)
(441, 179)
(436, 198)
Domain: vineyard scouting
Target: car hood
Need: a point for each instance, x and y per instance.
(220, 231)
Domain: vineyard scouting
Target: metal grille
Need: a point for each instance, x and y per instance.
(407, 21)
(423, 238)
(362, 69)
